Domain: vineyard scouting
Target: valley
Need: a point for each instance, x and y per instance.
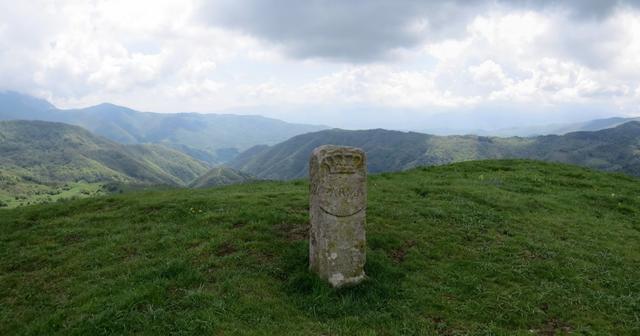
(45, 161)
(212, 138)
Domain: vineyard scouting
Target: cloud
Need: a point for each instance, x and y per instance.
(408, 58)
(342, 30)
(76, 52)
(581, 9)
(371, 30)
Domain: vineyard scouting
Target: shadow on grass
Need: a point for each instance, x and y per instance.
(319, 300)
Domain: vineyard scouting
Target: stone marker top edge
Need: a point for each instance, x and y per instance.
(327, 148)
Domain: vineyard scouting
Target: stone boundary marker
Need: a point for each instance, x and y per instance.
(337, 210)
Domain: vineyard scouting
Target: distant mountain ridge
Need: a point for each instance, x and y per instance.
(213, 138)
(18, 106)
(615, 149)
(538, 130)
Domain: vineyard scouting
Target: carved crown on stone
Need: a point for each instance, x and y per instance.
(341, 162)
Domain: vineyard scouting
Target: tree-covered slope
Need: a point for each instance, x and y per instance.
(615, 149)
(386, 151)
(36, 155)
(474, 248)
(220, 176)
(213, 138)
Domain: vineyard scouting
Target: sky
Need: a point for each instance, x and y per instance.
(402, 64)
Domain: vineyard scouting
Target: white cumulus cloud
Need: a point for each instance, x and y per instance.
(406, 57)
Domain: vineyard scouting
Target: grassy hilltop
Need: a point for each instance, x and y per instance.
(480, 248)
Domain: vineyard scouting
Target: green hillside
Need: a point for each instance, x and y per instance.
(386, 151)
(474, 248)
(213, 138)
(43, 161)
(615, 149)
(220, 176)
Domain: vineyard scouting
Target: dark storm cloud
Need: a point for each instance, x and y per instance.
(580, 9)
(355, 30)
(367, 30)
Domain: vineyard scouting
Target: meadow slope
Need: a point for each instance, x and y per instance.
(480, 248)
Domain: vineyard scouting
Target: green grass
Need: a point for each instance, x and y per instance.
(479, 248)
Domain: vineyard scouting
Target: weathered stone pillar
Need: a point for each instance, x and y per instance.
(338, 199)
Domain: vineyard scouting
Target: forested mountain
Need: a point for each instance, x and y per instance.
(36, 156)
(614, 149)
(213, 138)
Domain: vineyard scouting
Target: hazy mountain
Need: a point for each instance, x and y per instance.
(536, 130)
(591, 125)
(17, 106)
(45, 154)
(613, 149)
(220, 176)
(214, 138)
